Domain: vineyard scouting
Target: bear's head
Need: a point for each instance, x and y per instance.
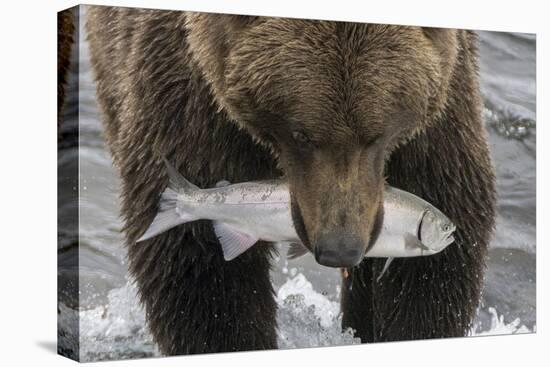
(331, 100)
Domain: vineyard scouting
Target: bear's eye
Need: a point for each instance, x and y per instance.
(300, 137)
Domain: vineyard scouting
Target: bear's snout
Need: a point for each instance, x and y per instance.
(337, 204)
(339, 249)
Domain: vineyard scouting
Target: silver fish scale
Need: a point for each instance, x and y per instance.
(262, 192)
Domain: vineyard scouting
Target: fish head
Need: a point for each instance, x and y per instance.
(435, 230)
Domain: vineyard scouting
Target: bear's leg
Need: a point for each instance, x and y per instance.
(417, 298)
(157, 103)
(198, 303)
(434, 296)
(357, 301)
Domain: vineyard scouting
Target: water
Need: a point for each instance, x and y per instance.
(112, 323)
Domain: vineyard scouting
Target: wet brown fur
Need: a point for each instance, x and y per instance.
(65, 40)
(336, 107)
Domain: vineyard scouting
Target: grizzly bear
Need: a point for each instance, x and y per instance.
(338, 109)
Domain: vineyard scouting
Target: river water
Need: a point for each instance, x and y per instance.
(111, 321)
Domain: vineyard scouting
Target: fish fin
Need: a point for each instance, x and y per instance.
(223, 183)
(413, 242)
(386, 266)
(233, 242)
(296, 250)
(167, 216)
(177, 182)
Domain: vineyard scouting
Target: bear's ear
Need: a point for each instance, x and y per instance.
(442, 38)
(238, 22)
(211, 37)
(445, 51)
(228, 21)
(433, 33)
(445, 41)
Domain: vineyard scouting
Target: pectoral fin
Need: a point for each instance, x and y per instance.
(296, 250)
(233, 242)
(412, 242)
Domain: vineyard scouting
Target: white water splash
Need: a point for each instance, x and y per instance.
(499, 327)
(116, 330)
(306, 318)
(323, 308)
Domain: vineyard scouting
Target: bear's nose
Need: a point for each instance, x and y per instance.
(339, 250)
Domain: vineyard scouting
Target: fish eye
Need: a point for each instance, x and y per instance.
(446, 227)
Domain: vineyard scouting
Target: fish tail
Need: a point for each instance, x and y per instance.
(168, 215)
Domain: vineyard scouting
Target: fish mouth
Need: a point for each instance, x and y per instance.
(448, 240)
(442, 245)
